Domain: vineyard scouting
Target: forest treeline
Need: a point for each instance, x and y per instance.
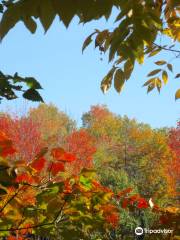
(129, 158)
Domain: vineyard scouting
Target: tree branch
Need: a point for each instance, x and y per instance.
(29, 227)
(167, 49)
(1, 210)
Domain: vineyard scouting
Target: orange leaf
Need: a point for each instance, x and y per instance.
(68, 157)
(27, 229)
(124, 192)
(67, 187)
(57, 153)
(60, 155)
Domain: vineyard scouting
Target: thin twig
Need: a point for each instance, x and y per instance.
(167, 49)
(1, 210)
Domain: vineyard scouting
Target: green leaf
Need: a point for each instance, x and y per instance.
(119, 80)
(33, 95)
(87, 41)
(32, 83)
(161, 62)
(9, 19)
(150, 81)
(170, 67)
(158, 84)
(165, 77)
(1, 8)
(65, 9)
(150, 88)
(2, 192)
(86, 182)
(53, 205)
(46, 14)
(154, 52)
(107, 80)
(140, 58)
(30, 24)
(89, 173)
(101, 37)
(128, 68)
(154, 72)
(177, 95)
(178, 75)
(6, 178)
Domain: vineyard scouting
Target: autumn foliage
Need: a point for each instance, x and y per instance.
(81, 143)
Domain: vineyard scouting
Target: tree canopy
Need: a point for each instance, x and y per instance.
(142, 29)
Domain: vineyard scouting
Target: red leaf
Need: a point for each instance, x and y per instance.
(56, 168)
(39, 164)
(142, 203)
(67, 187)
(6, 147)
(113, 219)
(125, 203)
(24, 177)
(7, 151)
(14, 238)
(11, 238)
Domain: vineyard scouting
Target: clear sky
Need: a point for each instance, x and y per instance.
(72, 81)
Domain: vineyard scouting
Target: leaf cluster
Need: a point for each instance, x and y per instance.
(10, 86)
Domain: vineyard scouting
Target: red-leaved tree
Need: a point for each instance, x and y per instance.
(174, 167)
(25, 135)
(81, 143)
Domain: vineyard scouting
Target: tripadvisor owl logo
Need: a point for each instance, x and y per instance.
(139, 231)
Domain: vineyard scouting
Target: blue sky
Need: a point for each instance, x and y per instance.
(71, 80)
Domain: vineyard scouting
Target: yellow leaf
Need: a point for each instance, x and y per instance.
(177, 95)
(119, 80)
(165, 77)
